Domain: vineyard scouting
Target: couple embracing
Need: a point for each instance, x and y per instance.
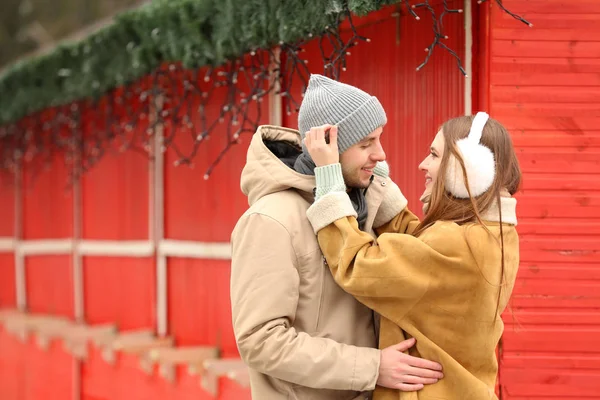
(339, 291)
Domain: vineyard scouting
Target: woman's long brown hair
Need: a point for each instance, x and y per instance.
(445, 207)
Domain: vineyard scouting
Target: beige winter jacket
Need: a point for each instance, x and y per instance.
(302, 336)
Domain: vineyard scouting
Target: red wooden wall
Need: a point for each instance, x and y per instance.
(115, 206)
(540, 82)
(544, 84)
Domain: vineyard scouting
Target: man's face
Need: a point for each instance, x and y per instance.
(360, 159)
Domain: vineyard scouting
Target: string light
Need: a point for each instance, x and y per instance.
(438, 26)
(201, 103)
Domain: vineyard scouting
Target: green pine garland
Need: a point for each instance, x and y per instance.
(195, 32)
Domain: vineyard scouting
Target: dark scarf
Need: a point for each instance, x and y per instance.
(305, 165)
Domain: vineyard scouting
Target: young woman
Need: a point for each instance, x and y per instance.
(445, 280)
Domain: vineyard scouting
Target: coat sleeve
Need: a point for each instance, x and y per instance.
(400, 266)
(264, 298)
(393, 215)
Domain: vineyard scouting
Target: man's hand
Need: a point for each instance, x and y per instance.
(406, 373)
(320, 151)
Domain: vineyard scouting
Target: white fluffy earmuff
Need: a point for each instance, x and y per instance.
(479, 163)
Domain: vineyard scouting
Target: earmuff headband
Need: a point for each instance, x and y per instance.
(478, 160)
(477, 126)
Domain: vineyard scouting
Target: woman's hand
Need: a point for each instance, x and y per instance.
(320, 151)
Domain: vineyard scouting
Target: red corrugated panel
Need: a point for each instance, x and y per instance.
(544, 86)
(7, 281)
(115, 198)
(416, 102)
(126, 380)
(115, 191)
(120, 290)
(198, 209)
(188, 388)
(48, 374)
(7, 205)
(49, 281)
(12, 367)
(102, 381)
(29, 373)
(47, 200)
(7, 224)
(199, 305)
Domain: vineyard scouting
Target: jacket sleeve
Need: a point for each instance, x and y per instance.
(264, 298)
(400, 266)
(393, 215)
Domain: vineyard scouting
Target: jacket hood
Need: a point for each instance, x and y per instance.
(268, 170)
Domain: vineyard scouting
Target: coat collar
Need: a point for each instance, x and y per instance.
(508, 206)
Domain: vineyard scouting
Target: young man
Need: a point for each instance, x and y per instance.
(301, 335)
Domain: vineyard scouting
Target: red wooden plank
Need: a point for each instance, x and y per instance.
(558, 21)
(7, 281)
(49, 281)
(536, 226)
(557, 109)
(550, 302)
(568, 361)
(515, 122)
(547, 34)
(532, 48)
(540, 94)
(540, 253)
(554, 339)
(120, 290)
(560, 182)
(564, 205)
(523, 318)
(565, 288)
(559, 271)
(556, 383)
(519, 75)
(559, 160)
(551, 6)
(577, 139)
(545, 65)
(560, 242)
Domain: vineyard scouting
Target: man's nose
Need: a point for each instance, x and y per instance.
(379, 155)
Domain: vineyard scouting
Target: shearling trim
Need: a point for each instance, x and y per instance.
(392, 204)
(509, 211)
(330, 208)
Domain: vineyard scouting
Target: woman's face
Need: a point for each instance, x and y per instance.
(431, 164)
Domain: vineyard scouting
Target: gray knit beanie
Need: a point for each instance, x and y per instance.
(356, 113)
